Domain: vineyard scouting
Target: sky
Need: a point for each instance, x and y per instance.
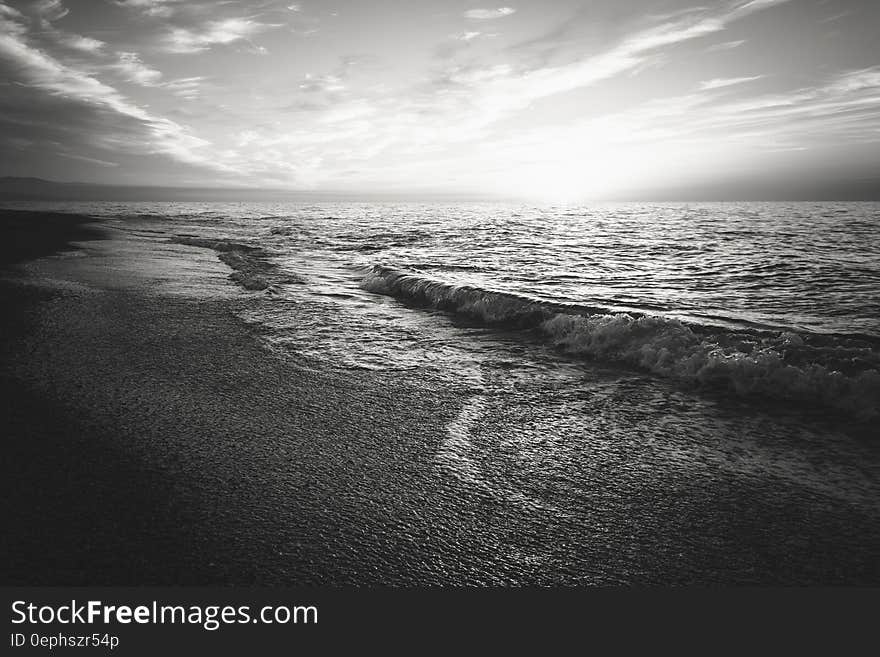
(552, 100)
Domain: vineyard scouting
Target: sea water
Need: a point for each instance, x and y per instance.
(600, 353)
(775, 300)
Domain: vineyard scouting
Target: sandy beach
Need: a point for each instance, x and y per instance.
(148, 434)
(152, 438)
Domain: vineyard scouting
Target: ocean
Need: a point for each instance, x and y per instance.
(760, 301)
(596, 364)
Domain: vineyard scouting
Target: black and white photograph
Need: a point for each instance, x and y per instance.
(440, 294)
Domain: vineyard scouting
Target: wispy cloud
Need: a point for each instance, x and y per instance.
(830, 109)
(82, 43)
(847, 106)
(525, 107)
(133, 69)
(726, 45)
(422, 126)
(49, 80)
(220, 32)
(720, 83)
(157, 8)
(90, 160)
(489, 14)
(322, 83)
(50, 10)
(186, 88)
(43, 13)
(7, 12)
(639, 143)
(495, 92)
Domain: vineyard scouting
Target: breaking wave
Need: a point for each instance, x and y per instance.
(837, 371)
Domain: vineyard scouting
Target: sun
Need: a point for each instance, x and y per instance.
(562, 183)
(567, 171)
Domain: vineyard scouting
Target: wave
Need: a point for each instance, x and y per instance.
(837, 372)
(252, 268)
(150, 216)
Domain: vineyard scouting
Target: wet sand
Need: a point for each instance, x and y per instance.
(151, 438)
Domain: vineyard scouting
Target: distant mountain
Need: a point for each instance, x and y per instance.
(38, 189)
(28, 188)
(13, 180)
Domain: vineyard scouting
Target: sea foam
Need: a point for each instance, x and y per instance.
(840, 373)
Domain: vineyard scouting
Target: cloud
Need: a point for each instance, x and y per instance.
(478, 113)
(44, 12)
(7, 12)
(48, 89)
(833, 109)
(720, 83)
(727, 45)
(90, 160)
(857, 80)
(668, 140)
(755, 5)
(157, 8)
(221, 32)
(422, 130)
(845, 107)
(50, 10)
(186, 88)
(489, 14)
(336, 82)
(133, 69)
(498, 91)
(322, 84)
(82, 43)
(348, 112)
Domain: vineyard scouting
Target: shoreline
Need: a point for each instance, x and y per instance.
(144, 432)
(28, 234)
(153, 440)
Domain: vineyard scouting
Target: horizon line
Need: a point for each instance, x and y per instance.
(32, 195)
